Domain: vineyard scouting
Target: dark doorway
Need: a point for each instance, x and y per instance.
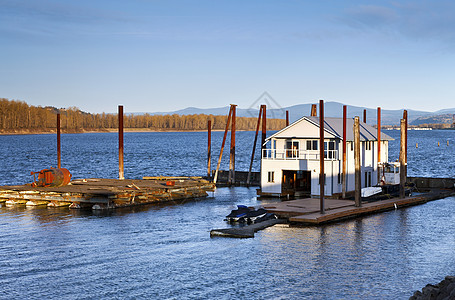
(296, 182)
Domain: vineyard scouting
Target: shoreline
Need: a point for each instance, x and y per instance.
(28, 132)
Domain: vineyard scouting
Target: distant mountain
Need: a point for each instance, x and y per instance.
(445, 111)
(434, 119)
(331, 109)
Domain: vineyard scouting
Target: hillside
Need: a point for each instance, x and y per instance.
(331, 109)
(434, 119)
(19, 117)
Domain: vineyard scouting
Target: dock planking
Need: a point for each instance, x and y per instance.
(100, 193)
(307, 212)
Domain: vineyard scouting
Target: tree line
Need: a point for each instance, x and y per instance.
(16, 116)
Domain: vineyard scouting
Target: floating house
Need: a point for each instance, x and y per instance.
(290, 161)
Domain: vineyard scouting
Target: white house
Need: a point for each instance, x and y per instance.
(290, 163)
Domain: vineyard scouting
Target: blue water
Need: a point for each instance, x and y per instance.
(165, 251)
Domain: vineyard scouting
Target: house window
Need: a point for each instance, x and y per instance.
(329, 148)
(292, 149)
(368, 145)
(271, 177)
(352, 146)
(312, 145)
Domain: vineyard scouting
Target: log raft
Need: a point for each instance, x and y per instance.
(99, 193)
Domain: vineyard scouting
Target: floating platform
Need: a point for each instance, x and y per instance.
(245, 231)
(99, 193)
(307, 211)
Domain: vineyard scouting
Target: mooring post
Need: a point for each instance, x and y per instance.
(232, 156)
(222, 145)
(314, 110)
(405, 117)
(402, 157)
(248, 179)
(321, 156)
(264, 126)
(364, 116)
(120, 143)
(209, 148)
(264, 131)
(358, 182)
(287, 118)
(343, 178)
(379, 144)
(59, 152)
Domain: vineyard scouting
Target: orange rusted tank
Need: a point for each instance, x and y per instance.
(52, 177)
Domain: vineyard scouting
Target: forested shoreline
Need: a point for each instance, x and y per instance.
(20, 117)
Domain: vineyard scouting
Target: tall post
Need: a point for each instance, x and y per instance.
(321, 156)
(402, 157)
(287, 118)
(364, 116)
(405, 117)
(264, 131)
(379, 144)
(254, 148)
(232, 156)
(358, 182)
(222, 145)
(314, 110)
(120, 143)
(264, 126)
(59, 150)
(209, 148)
(343, 178)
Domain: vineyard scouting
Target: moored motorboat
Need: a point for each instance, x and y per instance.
(244, 214)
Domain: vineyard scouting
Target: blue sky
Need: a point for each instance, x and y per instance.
(167, 55)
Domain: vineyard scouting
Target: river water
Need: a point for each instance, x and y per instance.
(165, 251)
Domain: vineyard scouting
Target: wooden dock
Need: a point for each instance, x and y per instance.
(306, 211)
(99, 193)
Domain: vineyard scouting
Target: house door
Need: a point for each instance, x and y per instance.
(296, 182)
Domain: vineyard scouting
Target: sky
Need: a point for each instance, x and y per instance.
(165, 55)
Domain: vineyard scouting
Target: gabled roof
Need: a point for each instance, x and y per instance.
(333, 128)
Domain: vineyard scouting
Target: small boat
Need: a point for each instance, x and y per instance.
(244, 214)
(371, 191)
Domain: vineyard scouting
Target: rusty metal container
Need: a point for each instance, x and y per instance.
(51, 177)
(170, 183)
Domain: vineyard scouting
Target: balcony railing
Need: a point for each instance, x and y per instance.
(289, 154)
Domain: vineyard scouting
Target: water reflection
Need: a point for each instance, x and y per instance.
(165, 251)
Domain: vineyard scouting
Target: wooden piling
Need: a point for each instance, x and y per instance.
(343, 178)
(264, 126)
(321, 156)
(287, 118)
(120, 143)
(364, 116)
(232, 153)
(248, 179)
(405, 117)
(402, 158)
(379, 144)
(209, 148)
(222, 145)
(358, 178)
(59, 152)
(314, 109)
